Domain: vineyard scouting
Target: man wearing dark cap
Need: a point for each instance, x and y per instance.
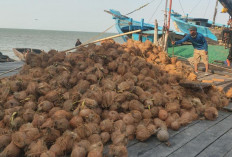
(200, 47)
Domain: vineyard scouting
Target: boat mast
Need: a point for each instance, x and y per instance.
(215, 12)
(168, 26)
(165, 24)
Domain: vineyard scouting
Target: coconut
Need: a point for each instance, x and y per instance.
(142, 133)
(118, 150)
(185, 118)
(137, 116)
(75, 121)
(163, 115)
(163, 135)
(175, 125)
(106, 125)
(119, 125)
(128, 119)
(36, 148)
(113, 115)
(78, 151)
(11, 150)
(48, 154)
(105, 137)
(147, 114)
(4, 140)
(45, 106)
(172, 107)
(211, 113)
(136, 105)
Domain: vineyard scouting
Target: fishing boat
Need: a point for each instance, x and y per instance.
(125, 24)
(22, 52)
(204, 26)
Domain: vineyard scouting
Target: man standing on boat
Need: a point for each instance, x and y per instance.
(200, 48)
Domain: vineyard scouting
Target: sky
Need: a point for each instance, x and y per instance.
(89, 15)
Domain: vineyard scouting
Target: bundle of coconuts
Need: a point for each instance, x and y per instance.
(74, 104)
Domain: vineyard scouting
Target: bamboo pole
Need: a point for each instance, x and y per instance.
(156, 33)
(215, 12)
(110, 37)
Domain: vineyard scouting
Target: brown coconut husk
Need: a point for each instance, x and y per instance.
(61, 124)
(36, 148)
(142, 133)
(119, 125)
(11, 150)
(78, 151)
(211, 113)
(108, 99)
(175, 125)
(163, 115)
(130, 131)
(113, 115)
(28, 115)
(118, 138)
(185, 118)
(48, 154)
(50, 135)
(39, 119)
(163, 135)
(49, 123)
(128, 119)
(146, 114)
(106, 125)
(136, 105)
(118, 151)
(159, 123)
(92, 128)
(11, 103)
(75, 121)
(62, 114)
(172, 107)
(137, 116)
(105, 137)
(94, 138)
(4, 140)
(45, 106)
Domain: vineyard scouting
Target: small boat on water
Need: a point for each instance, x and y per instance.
(22, 52)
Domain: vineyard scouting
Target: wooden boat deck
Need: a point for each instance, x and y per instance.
(201, 138)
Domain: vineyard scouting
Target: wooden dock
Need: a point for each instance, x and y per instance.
(201, 138)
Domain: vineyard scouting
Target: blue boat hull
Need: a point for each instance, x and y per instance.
(126, 24)
(183, 24)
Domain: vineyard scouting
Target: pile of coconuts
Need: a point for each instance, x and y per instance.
(101, 95)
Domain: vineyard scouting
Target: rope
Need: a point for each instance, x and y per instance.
(140, 7)
(206, 8)
(195, 6)
(155, 11)
(182, 7)
(93, 38)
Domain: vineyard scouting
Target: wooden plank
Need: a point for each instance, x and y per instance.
(220, 147)
(135, 148)
(203, 140)
(229, 153)
(228, 107)
(8, 66)
(183, 137)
